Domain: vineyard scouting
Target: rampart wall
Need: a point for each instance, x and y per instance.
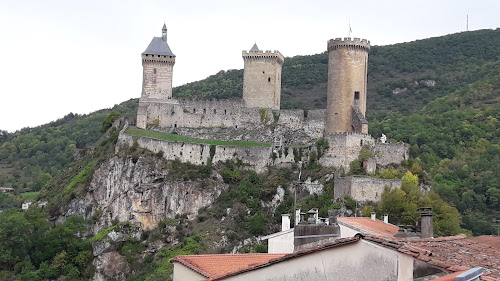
(238, 122)
(258, 158)
(362, 188)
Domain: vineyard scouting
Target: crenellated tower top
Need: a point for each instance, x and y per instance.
(349, 42)
(257, 54)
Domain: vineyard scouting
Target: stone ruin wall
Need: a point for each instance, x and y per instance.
(344, 148)
(390, 153)
(237, 122)
(362, 188)
(258, 158)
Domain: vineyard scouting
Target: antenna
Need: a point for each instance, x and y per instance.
(467, 22)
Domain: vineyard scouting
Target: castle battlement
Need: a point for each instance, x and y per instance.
(348, 42)
(158, 58)
(263, 55)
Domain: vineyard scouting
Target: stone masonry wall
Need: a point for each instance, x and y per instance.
(391, 153)
(344, 148)
(258, 158)
(157, 77)
(240, 123)
(363, 188)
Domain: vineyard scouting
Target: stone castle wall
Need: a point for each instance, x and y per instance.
(362, 188)
(390, 153)
(230, 120)
(344, 148)
(258, 158)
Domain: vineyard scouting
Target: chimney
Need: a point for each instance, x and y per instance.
(297, 216)
(373, 216)
(386, 218)
(426, 222)
(285, 222)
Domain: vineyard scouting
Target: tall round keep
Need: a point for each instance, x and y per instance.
(346, 94)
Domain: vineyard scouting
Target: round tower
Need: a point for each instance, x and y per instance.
(346, 94)
(262, 78)
(157, 64)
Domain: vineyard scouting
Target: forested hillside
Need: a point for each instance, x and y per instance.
(441, 95)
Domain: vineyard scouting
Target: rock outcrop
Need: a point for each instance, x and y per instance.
(124, 189)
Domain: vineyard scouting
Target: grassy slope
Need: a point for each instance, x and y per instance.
(179, 138)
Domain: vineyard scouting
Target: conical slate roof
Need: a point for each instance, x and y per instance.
(254, 48)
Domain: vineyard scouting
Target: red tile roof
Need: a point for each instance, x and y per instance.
(369, 226)
(213, 266)
(459, 252)
(493, 241)
(452, 253)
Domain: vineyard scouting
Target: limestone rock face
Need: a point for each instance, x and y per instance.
(110, 265)
(122, 189)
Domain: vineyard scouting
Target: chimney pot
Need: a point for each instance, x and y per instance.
(373, 217)
(386, 218)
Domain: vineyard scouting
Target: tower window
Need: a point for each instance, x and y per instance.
(194, 110)
(215, 111)
(204, 111)
(154, 70)
(356, 95)
(269, 79)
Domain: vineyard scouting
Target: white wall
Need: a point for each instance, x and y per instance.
(361, 260)
(281, 244)
(182, 273)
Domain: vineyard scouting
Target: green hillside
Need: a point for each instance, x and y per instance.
(447, 108)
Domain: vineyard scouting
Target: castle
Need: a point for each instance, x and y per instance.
(258, 117)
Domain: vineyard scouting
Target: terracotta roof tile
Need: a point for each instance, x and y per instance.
(213, 266)
(453, 253)
(461, 253)
(493, 241)
(369, 226)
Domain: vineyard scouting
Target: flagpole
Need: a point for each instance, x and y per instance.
(350, 30)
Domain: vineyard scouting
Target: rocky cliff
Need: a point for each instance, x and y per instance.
(139, 191)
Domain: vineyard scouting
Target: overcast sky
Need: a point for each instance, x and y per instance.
(61, 56)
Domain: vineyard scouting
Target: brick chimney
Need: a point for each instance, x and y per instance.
(426, 222)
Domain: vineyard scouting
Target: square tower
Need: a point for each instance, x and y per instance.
(262, 78)
(157, 64)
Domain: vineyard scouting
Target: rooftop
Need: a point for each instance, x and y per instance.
(158, 47)
(254, 48)
(452, 253)
(215, 266)
(369, 226)
(458, 251)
